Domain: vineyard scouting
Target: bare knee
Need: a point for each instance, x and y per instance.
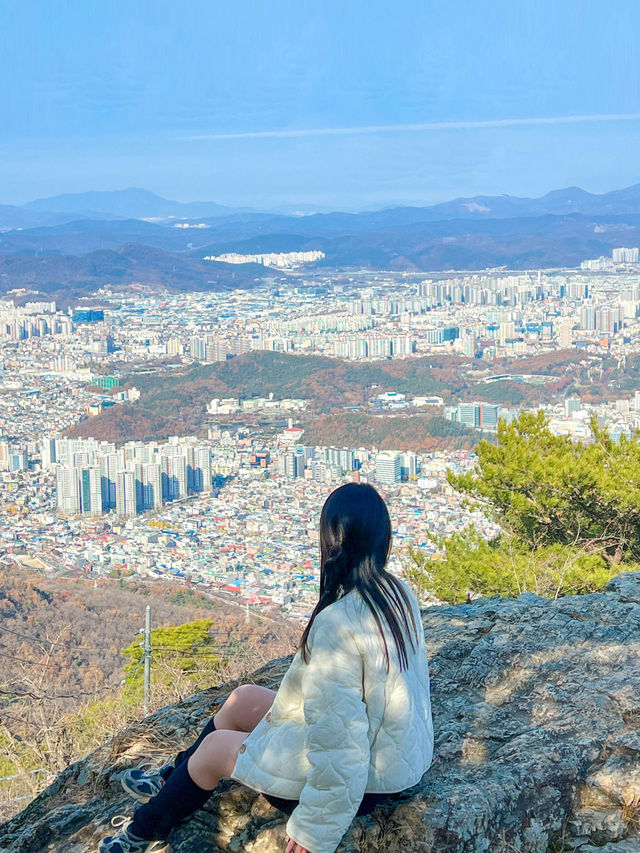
(242, 693)
(244, 708)
(215, 757)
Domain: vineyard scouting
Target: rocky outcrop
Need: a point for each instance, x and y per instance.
(537, 721)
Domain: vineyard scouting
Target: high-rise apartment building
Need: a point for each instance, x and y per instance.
(625, 256)
(474, 415)
(565, 335)
(202, 469)
(90, 490)
(48, 453)
(160, 471)
(151, 486)
(588, 317)
(126, 494)
(198, 348)
(4, 454)
(67, 490)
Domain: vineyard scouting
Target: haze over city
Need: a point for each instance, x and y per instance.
(300, 106)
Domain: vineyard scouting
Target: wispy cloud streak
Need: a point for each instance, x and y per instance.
(410, 128)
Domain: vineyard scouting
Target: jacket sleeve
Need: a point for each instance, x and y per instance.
(336, 738)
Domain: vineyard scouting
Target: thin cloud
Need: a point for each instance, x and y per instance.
(408, 128)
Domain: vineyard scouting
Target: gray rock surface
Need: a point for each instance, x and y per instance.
(537, 721)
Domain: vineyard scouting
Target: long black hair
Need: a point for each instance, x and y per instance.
(355, 542)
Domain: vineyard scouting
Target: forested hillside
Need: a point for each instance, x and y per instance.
(175, 403)
(64, 682)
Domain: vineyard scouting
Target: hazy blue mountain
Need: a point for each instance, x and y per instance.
(564, 201)
(560, 229)
(131, 203)
(136, 203)
(535, 242)
(87, 235)
(12, 217)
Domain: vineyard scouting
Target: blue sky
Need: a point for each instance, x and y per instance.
(319, 104)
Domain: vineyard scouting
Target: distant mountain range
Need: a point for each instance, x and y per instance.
(90, 239)
(136, 203)
(131, 203)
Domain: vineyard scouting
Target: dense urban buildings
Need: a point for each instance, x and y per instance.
(235, 507)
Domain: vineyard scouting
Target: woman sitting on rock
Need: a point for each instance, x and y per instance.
(350, 724)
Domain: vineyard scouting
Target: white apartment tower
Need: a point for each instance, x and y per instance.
(151, 486)
(68, 493)
(202, 469)
(48, 453)
(126, 494)
(625, 256)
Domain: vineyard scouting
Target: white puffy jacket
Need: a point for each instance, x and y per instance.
(340, 726)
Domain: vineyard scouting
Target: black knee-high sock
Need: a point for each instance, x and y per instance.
(183, 756)
(178, 798)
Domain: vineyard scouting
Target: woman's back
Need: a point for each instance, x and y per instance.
(398, 702)
(396, 709)
(352, 715)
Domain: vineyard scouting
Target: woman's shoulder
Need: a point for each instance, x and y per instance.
(354, 601)
(348, 610)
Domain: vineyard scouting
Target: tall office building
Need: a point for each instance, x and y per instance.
(409, 466)
(469, 414)
(571, 405)
(489, 414)
(388, 468)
